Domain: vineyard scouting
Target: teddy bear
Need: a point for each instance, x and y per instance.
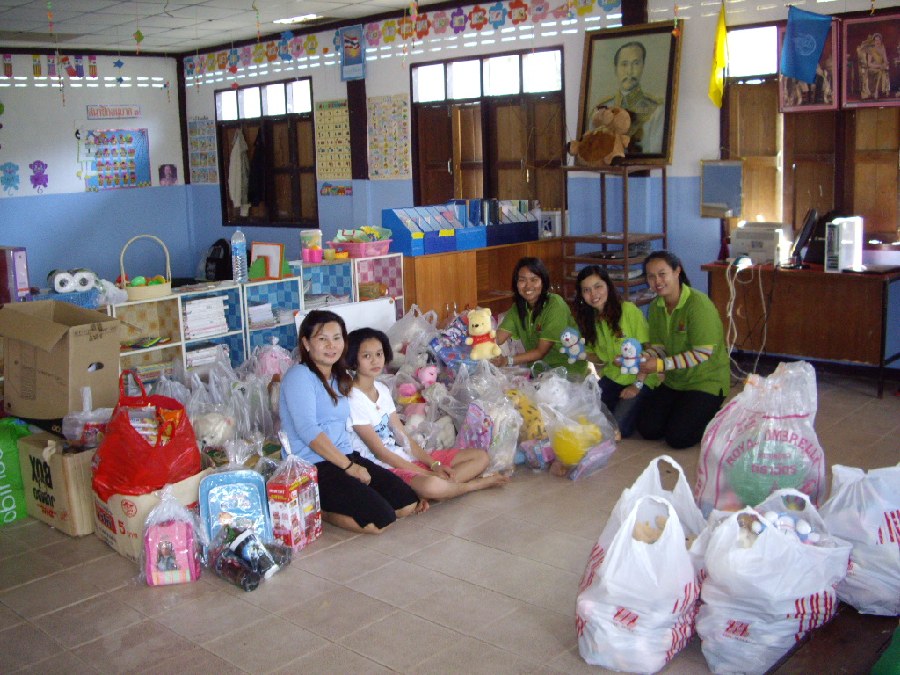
(607, 138)
(631, 356)
(572, 345)
(481, 335)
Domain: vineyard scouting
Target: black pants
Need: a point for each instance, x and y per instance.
(679, 417)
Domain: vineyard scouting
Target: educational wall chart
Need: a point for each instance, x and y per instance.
(389, 134)
(115, 158)
(333, 141)
(203, 158)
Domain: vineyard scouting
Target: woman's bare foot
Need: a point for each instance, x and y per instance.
(422, 506)
(493, 480)
(559, 469)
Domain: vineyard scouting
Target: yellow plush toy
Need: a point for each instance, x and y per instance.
(533, 429)
(481, 335)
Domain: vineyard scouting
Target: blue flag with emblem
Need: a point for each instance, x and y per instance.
(804, 41)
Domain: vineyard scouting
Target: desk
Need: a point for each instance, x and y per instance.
(811, 314)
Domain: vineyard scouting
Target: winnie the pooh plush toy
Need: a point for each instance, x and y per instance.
(607, 138)
(481, 335)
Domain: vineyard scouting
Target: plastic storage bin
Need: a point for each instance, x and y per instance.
(362, 249)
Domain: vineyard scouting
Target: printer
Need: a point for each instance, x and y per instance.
(762, 242)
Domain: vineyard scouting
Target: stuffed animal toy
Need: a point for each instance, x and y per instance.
(481, 335)
(213, 429)
(572, 345)
(533, 428)
(607, 139)
(409, 394)
(631, 350)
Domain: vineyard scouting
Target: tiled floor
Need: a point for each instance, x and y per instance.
(483, 584)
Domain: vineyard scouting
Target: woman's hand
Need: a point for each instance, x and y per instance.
(648, 366)
(359, 473)
(629, 392)
(445, 472)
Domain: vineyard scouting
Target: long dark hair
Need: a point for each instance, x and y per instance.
(672, 261)
(586, 316)
(308, 328)
(360, 335)
(535, 266)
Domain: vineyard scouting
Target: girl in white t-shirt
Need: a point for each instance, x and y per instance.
(379, 433)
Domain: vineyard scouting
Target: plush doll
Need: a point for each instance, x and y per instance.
(572, 345)
(409, 394)
(533, 422)
(607, 138)
(213, 429)
(481, 335)
(631, 356)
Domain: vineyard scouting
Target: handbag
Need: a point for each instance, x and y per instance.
(149, 442)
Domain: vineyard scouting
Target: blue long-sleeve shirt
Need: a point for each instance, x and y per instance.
(307, 410)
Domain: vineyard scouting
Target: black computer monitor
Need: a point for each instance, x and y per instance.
(802, 240)
(815, 250)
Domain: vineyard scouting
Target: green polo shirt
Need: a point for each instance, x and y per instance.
(554, 318)
(608, 347)
(693, 323)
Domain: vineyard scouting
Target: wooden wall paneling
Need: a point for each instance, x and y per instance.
(875, 162)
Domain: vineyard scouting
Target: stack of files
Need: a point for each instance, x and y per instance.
(205, 317)
(262, 316)
(205, 355)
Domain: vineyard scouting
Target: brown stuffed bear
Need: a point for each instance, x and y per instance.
(607, 138)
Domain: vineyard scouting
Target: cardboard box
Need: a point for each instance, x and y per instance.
(53, 349)
(120, 520)
(57, 483)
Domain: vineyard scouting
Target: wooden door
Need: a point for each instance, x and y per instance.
(468, 151)
(434, 153)
(510, 158)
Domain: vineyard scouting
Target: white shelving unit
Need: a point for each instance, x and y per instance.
(285, 297)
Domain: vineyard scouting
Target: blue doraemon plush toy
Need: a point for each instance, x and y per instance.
(631, 350)
(572, 345)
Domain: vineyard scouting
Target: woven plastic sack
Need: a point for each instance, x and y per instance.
(761, 441)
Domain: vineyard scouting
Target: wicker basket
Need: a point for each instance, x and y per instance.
(146, 292)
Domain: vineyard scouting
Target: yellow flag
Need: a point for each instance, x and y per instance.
(720, 61)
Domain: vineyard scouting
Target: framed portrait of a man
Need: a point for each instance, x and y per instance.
(635, 68)
(871, 58)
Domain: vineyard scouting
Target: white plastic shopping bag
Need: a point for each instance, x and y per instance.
(766, 587)
(638, 611)
(864, 509)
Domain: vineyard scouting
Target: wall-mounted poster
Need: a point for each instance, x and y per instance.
(116, 158)
(333, 140)
(203, 158)
(353, 53)
(389, 133)
(871, 60)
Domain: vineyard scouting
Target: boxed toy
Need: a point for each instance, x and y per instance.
(57, 481)
(53, 349)
(293, 493)
(119, 521)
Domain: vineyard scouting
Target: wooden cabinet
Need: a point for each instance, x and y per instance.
(451, 282)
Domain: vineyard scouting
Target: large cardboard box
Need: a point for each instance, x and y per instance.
(53, 349)
(57, 483)
(119, 521)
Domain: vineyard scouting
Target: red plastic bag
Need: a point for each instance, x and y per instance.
(149, 442)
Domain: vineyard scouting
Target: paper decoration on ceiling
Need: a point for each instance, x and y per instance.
(138, 39)
(497, 15)
(9, 177)
(39, 177)
(7, 65)
(118, 63)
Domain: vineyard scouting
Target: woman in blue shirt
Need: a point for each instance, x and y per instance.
(356, 494)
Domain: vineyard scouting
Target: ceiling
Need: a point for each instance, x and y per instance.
(168, 26)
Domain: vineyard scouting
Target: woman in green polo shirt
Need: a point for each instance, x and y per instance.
(605, 323)
(537, 318)
(687, 350)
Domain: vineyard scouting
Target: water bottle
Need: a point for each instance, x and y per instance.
(239, 257)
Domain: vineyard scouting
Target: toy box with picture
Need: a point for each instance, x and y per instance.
(293, 492)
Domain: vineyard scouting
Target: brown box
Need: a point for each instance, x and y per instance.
(57, 483)
(53, 349)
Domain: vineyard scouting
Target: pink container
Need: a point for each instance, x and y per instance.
(364, 249)
(311, 255)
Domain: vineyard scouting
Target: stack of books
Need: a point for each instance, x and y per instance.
(262, 316)
(205, 355)
(204, 317)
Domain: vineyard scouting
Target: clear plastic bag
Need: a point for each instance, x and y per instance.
(173, 389)
(410, 335)
(293, 492)
(171, 550)
(86, 427)
(761, 440)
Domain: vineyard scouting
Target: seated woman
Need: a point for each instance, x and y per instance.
(379, 433)
(356, 493)
(687, 345)
(605, 323)
(537, 319)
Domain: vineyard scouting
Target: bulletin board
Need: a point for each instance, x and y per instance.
(389, 137)
(115, 158)
(333, 141)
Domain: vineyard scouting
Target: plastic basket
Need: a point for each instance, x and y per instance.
(362, 249)
(146, 292)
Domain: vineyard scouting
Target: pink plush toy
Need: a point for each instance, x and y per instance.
(409, 394)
